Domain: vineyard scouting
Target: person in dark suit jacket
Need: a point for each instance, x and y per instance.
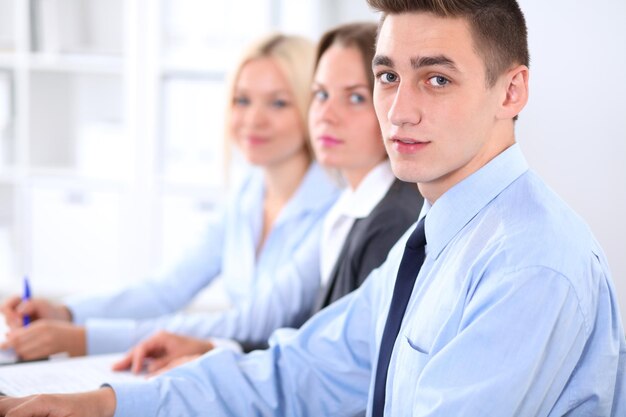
(369, 241)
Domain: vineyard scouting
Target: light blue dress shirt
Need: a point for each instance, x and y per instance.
(513, 314)
(229, 248)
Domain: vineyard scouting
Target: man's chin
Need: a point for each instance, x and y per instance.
(404, 172)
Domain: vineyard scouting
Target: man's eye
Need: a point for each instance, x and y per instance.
(387, 77)
(438, 81)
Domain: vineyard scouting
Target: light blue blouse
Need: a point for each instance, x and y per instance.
(117, 321)
(513, 314)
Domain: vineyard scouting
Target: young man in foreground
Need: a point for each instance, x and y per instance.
(512, 313)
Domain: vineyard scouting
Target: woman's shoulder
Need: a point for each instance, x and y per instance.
(316, 189)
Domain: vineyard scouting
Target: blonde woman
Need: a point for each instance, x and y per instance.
(273, 214)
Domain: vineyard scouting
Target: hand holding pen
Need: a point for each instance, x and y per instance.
(22, 310)
(39, 328)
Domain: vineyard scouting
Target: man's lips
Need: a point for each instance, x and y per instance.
(407, 145)
(407, 141)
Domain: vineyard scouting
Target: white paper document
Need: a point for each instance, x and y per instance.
(61, 375)
(6, 355)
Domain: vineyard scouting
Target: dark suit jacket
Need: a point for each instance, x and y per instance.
(370, 239)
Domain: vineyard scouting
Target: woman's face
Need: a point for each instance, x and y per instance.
(265, 122)
(344, 129)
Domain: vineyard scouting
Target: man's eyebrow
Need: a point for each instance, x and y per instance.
(429, 61)
(382, 60)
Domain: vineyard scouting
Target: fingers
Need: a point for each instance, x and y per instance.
(161, 352)
(139, 355)
(7, 403)
(158, 351)
(46, 337)
(149, 350)
(14, 310)
(39, 340)
(30, 407)
(171, 364)
(22, 407)
(9, 310)
(133, 361)
(28, 343)
(124, 363)
(156, 366)
(100, 403)
(27, 307)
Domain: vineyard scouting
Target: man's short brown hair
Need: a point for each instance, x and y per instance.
(498, 27)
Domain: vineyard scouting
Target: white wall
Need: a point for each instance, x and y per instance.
(573, 130)
(313, 17)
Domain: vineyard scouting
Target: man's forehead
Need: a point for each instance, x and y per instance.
(421, 30)
(408, 36)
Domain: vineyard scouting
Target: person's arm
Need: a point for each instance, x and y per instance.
(285, 302)
(322, 369)
(100, 403)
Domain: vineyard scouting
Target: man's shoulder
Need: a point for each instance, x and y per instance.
(534, 227)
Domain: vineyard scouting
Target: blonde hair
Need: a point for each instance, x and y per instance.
(295, 56)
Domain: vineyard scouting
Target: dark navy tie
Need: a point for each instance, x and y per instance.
(412, 260)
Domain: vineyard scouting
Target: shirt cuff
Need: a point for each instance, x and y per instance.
(135, 399)
(109, 336)
(78, 310)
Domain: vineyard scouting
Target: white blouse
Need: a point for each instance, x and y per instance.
(351, 205)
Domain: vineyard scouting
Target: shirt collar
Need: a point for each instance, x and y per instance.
(359, 203)
(457, 206)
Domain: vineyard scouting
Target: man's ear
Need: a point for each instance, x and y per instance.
(516, 92)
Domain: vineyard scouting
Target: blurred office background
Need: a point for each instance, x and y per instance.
(111, 143)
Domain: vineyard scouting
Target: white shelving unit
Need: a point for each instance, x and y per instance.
(111, 130)
(66, 175)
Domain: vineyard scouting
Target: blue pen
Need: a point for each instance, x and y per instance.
(26, 296)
